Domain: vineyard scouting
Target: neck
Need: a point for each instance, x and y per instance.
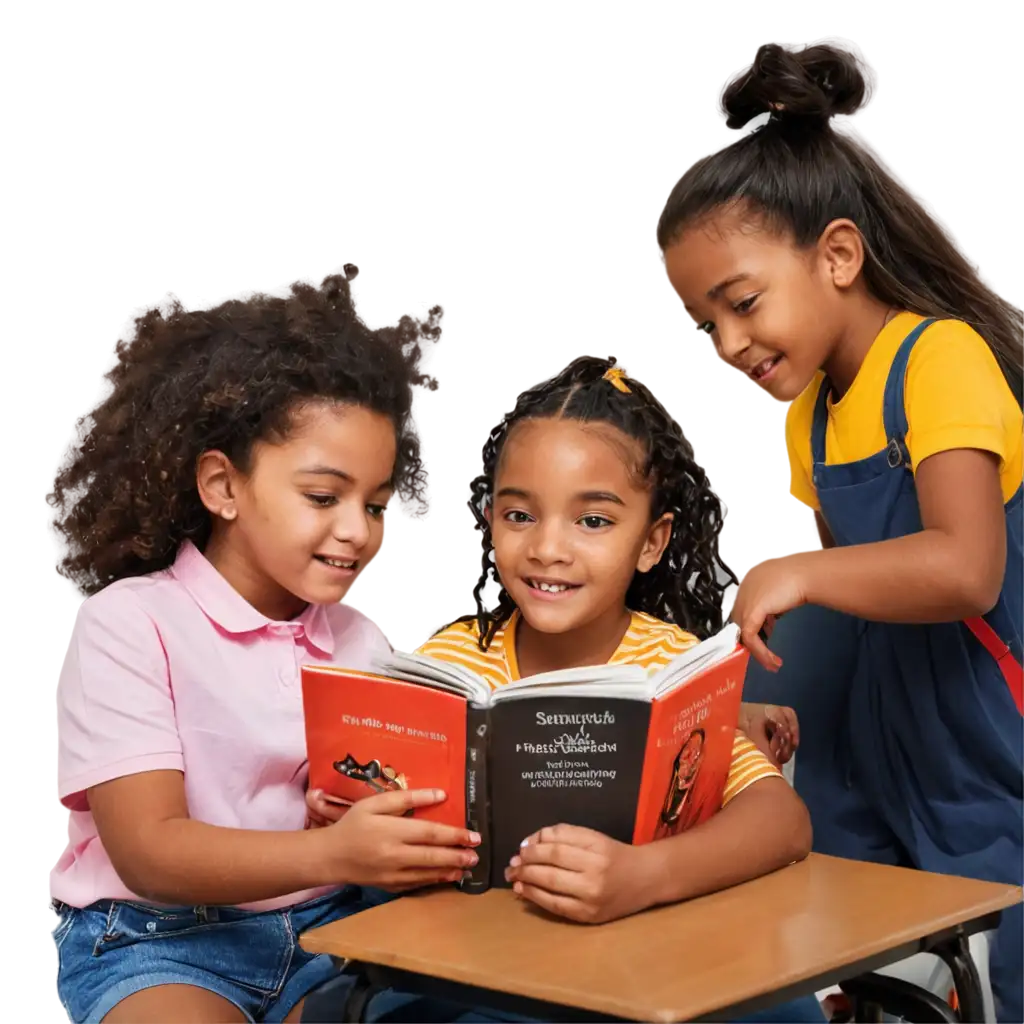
(224, 553)
(590, 644)
(867, 317)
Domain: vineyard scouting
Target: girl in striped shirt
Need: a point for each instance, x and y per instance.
(601, 532)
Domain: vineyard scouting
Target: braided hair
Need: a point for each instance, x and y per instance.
(687, 584)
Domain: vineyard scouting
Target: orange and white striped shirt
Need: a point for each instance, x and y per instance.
(648, 642)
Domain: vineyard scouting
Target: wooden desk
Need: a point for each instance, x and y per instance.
(791, 933)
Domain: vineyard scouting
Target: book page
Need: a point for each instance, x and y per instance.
(443, 675)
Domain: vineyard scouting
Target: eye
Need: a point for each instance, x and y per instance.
(517, 517)
(376, 511)
(745, 305)
(595, 522)
(322, 500)
(707, 327)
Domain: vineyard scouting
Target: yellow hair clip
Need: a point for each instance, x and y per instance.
(615, 376)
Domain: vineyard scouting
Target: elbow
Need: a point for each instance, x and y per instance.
(801, 834)
(979, 592)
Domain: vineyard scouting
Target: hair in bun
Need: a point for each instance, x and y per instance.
(796, 174)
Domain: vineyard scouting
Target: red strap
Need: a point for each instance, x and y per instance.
(1008, 664)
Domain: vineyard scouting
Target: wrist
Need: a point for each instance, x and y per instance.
(804, 568)
(652, 868)
(315, 861)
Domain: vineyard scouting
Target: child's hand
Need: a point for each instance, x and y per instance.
(773, 728)
(581, 874)
(769, 590)
(322, 809)
(374, 844)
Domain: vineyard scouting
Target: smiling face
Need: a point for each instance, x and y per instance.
(772, 310)
(571, 523)
(308, 516)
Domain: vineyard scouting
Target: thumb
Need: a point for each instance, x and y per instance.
(401, 801)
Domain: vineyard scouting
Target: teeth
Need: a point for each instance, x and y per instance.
(550, 588)
(334, 563)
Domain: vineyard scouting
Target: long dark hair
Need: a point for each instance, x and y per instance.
(798, 174)
(188, 381)
(687, 585)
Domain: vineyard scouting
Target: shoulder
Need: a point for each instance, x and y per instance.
(652, 643)
(951, 353)
(956, 397)
(463, 634)
(129, 608)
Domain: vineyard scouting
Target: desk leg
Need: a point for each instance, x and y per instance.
(956, 953)
(362, 991)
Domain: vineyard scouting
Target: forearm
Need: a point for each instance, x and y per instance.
(923, 577)
(762, 829)
(179, 861)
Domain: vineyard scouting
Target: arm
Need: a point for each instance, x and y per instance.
(163, 855)
(953, 569)
(586, 876)
(720, 851)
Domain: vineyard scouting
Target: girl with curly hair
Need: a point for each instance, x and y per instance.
(217, 507)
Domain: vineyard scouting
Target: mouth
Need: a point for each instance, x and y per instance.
(764, 369)
(550, 589)
(348, 566)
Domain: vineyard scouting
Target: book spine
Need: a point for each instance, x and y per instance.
(478, 797)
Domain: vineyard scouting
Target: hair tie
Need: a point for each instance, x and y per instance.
(614, 375)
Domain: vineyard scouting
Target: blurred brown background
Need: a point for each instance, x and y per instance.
(504, 158)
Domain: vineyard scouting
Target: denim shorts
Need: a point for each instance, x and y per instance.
(115, 948)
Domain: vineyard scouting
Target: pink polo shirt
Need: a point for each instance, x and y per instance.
(176, 670)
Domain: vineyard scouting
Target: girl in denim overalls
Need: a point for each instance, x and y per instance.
(818, 275)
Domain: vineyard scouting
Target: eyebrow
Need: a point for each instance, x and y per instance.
(608, 496)
(387, 485)
(713, 293)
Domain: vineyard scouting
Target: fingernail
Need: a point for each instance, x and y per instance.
(515, 862)
(518, 888)
(470, 859)
(439, 794)
(474, 838)
(525, 842)
(508, 875)
(316, 793)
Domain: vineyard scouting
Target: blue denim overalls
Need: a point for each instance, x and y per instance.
(911, 743)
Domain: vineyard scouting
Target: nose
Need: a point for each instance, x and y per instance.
(351, 524)
(733, 341)
(548, 544)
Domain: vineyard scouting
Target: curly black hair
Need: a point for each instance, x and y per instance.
(188, 381)
(687, 585)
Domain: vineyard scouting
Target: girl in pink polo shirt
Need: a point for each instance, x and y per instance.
(216, 508)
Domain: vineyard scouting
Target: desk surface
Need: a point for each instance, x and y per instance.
(811, 920)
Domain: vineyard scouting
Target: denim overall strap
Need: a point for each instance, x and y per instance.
(819, 425)
(894, 412)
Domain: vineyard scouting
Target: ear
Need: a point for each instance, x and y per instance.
(657, 540)
(841, 250)
(217, 481)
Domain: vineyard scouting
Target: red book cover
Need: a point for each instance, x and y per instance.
(689, 750)
(367, 733)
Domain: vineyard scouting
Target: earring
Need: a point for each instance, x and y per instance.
(228, 514)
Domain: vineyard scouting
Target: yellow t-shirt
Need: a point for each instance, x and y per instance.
(648, 642)
(955, 397)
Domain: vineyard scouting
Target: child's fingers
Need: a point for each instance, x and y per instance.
(323, 807)
(561, 906)
(399, 801)
(750, 637)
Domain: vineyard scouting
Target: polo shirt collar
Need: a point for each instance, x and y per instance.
(225, 607)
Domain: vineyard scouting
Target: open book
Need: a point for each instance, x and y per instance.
(637, 755)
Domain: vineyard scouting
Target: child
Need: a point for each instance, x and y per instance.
(815, 273)
(219, 504)
(602, 533)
